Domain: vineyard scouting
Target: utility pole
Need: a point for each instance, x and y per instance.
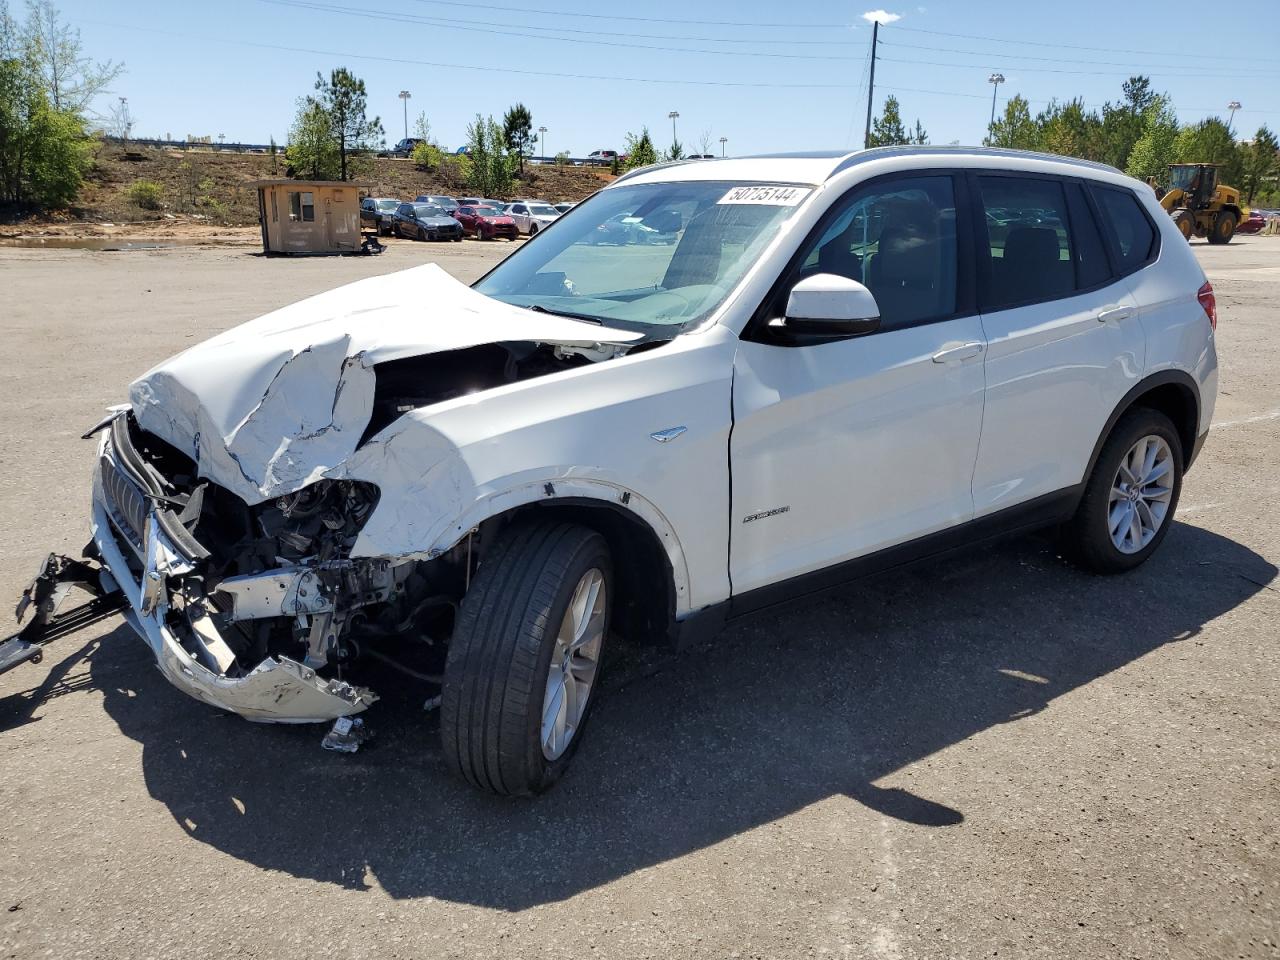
(674, 114)
(542, 145)
(1233, 106)
(404, 98)
(871, 85)
(723, 141)
(995, 80)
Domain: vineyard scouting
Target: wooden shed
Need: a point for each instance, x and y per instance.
(309, 216)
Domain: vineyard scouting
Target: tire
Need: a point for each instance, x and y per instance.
(1186, 224)
(420, 235)
(1224, 227)
(1088, 537)
(500, 666)
(533, 229)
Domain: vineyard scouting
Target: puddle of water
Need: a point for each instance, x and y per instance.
(87, 243)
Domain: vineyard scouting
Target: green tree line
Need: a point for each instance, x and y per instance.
(46, 86)
(1141, 135)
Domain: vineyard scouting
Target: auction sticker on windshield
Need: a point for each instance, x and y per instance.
(766, 196)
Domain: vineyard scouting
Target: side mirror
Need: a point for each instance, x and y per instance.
(827, 304)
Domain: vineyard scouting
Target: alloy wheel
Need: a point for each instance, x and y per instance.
(1140, 494)
(574, 664)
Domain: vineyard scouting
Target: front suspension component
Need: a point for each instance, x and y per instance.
(57, 575)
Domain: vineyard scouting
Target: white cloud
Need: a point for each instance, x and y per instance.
(881, 16)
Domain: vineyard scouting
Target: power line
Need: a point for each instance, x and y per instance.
(766, 41)
(471, 66)
(523, 32)
(613, 16)
(1004, 58)
(1055, 45)
(1058, 70)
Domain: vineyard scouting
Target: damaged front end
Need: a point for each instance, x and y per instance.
(255, 609)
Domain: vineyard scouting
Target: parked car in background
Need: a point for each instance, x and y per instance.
(378, 213)
(405, 147)
(486, 222)
(700, 156)
(564, 206)
(425, 221)
(447, 204)
(530, 217)
(1253, 223)
(601, 158)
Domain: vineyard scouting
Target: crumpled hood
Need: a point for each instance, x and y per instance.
(277, 403)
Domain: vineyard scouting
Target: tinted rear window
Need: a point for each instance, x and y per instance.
(1133, 237)
(1092, 268)
(1032, 253)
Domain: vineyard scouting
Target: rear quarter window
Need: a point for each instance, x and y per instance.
(1130, 232)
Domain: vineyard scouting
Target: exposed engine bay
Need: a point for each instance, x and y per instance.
(276, 579)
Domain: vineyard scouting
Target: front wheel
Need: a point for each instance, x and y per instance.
(1186, 224)
(533, 229)
(1224, 227)
(524, 659)
(1130, 497)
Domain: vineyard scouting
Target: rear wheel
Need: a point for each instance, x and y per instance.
(1224, 227)
(1130, 498)
(1186, 224)
(524, 658)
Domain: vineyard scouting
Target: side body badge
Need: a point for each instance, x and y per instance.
(667, 435)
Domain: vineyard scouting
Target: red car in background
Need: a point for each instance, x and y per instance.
(1253, 223)
(486, 222)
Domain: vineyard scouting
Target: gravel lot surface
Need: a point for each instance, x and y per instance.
(992, 756)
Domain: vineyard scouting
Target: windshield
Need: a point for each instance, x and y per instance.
(424, 210)
(543, 210)
(648, 255)
(388, 204)
(1181, 177)
(487, 212)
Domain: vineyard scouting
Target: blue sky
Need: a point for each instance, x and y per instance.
(765, 75)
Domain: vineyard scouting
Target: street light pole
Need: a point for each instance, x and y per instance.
(995, 80)
(404, 97)
(723, 141)
(542, 146)
(674, 115)
(1233, 106)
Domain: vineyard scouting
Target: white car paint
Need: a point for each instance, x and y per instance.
(532, 216)
(836, 450)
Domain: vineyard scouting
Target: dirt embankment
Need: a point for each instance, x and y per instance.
(206, 195)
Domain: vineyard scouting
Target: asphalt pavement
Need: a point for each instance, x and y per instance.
(996, 755)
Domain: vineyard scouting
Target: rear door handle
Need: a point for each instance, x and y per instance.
(962, 351)
(1115, 314)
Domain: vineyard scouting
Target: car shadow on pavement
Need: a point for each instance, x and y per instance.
(822, 699)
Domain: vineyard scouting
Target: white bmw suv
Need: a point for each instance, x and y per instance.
(843, 362)
(532, 215)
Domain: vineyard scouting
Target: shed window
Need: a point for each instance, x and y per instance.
(302, 206)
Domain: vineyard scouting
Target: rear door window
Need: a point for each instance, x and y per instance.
(1131, 234)
(1033, 256)
(1092, 267)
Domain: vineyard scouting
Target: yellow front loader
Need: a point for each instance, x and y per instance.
(1199, 205)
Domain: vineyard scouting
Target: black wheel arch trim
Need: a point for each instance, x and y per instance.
(1191, 445)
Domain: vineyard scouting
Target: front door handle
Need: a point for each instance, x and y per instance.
(961, 351)
(1115, 314)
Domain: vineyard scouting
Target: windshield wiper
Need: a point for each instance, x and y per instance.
(584, 317)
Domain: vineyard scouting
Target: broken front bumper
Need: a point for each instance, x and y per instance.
(278, 690)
